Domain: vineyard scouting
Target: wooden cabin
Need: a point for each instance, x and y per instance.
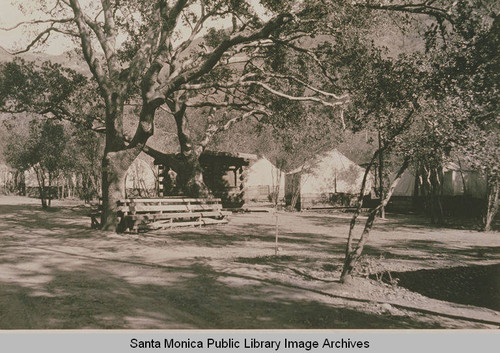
(223, 173)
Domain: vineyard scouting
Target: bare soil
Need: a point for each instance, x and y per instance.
(57, 273)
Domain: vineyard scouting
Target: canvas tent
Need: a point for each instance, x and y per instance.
(457, 181)
(329, 179)
(59, 186)
(263, 179)
(463, 191)
(406, 185)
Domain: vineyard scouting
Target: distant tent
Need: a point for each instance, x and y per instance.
(406, 185)
(59, 186)
(263, 180)
(463, 191)
(30, 178)
(330, 179)
(454, 180)
(459, 181)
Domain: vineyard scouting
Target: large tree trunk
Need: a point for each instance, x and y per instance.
(190, 176)
(118, 157)
(114, 172)
(190, 173)
(295, 198)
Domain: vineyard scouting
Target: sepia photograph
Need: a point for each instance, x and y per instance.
(249, 165)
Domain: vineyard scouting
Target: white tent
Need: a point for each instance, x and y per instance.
(406, 185)
(457, 181)
(461, 181)
(329, 175)
(262, 180)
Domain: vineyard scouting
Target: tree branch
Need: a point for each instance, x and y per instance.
(194, 31)
(340, 101)
(34, 22)
(40, 38)
(343, 97)
(88, 50)
(423, 8)
(214, 129)
(213, 58)
(311, 54)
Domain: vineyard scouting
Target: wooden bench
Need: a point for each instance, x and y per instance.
(170, 212)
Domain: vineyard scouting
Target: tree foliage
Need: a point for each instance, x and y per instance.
(50, 90)
(464, 86)
(59, 154)
(41, 150)
(430, 104)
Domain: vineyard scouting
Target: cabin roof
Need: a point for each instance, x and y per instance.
(231, 158)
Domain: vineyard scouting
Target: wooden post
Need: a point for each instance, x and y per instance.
(277, 232)
(381, 171)
(161, 180)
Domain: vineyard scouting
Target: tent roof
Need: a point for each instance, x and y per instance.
(263, 172)
(333, 157)
(330, 172)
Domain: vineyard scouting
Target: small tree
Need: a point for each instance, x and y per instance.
(441, 100)
(466, 87)
(42, 150)
(83, 153)
(50, 91)
(386, 97)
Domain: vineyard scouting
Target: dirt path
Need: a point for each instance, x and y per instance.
(55, 272)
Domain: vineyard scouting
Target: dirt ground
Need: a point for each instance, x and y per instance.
(57, 273)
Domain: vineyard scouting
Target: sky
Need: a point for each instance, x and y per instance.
(18, 38)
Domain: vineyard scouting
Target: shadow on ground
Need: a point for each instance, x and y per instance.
(234, 235)
(471, 285)
(199, 298)
(57, 273)
(33, 217)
